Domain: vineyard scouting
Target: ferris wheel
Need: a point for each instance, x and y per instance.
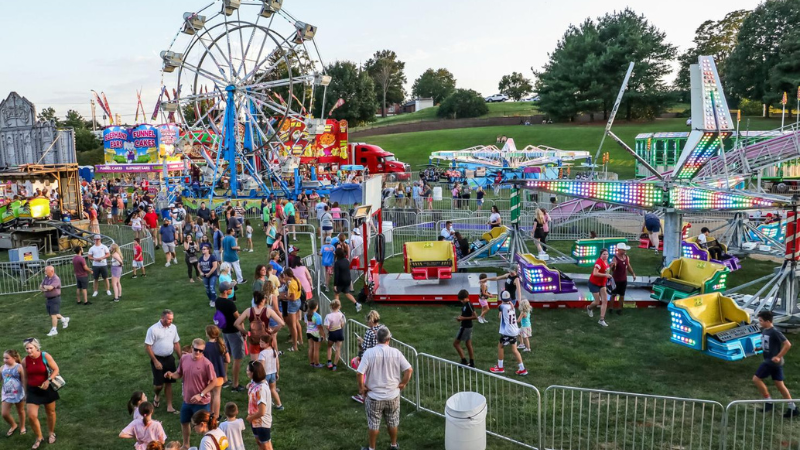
(244, 75)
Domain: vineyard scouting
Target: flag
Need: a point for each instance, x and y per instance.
(108, 108)
(158, 103)
(338, 103)
(783, 100)
(100, 102)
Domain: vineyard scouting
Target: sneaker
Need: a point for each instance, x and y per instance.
(134, 277)
(241, 282)
(251, 251)
(94, 294)
(520, 345)
(279, 407)
(394, 447)
(472, 364)
(791, 412)
(334, 368)
(480, 319)
(226, 384)
(495, 369)
(358, 398)
(522, 373)
(527, 350)
(767, 407)
(53, 332)
(212, 304)
(319, 366)
(238, 389)
(544, 256)
(358, 307)
(116, 300)
(166, 265)
(108, 293)
(330, 365)
(65, 322)
(87, 303)
(602, 323)
(589, 312)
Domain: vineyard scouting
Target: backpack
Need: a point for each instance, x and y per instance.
(257, 327)
(180, 216)
(219, 319)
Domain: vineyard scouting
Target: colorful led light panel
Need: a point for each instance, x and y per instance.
(644, 195)
(706, 149)
(691, 251)
(715, 113)
(689, 198)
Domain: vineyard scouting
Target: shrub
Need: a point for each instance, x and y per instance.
(463, 103)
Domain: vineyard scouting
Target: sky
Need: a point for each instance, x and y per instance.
(55, 52)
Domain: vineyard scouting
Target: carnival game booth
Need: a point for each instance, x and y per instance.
(714, 325)
(686, 277)
(691, 249)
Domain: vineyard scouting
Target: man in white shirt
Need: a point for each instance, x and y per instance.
(448, 232)
(357, 245)
(379, 383)
(98, 254)
(161, 342)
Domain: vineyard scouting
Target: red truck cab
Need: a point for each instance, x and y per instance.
(378, 160)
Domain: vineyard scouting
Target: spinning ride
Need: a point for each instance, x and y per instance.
(245, 74)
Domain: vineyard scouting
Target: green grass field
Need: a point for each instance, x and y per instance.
(102, 357)
(415, 148)
(504, 109)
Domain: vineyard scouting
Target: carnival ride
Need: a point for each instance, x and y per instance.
(430, 260)
(483, 163)
(247, 73)
(686, 277)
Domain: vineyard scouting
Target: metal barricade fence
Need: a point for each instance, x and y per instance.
(628, 226)
(513, 407)
(577, 418)
(420, 232)
(26, 276)
(748, 427)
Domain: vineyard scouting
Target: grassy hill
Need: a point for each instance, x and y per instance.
(415, 148)
(505, 109)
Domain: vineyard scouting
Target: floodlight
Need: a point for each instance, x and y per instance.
(322, 79)
(169, 106)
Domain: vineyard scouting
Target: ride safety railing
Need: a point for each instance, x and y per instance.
(573, 418)
(26, 276)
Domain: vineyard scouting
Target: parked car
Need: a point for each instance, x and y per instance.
(535, 98)
(497, 98)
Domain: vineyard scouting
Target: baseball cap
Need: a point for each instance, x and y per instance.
(328, 240)
(172, 205)
(505, 296)
(293, 249)
(357, 231)
(97, 236)
(623, 246)
(225, 286)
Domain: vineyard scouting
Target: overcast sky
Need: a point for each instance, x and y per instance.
(54, 52)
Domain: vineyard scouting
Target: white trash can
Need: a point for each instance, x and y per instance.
(387, 228)
(437, 193)
(465, 422)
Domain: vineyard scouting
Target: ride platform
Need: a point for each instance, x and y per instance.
(402, 288)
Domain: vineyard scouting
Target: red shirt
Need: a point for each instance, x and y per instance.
(137, 252)
(151, 219)
(35, 370)
(602, 267)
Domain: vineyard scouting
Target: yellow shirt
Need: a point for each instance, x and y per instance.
(293, 289)
(276, 283)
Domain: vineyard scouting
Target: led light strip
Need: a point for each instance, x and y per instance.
(686, 198)
(644, 195)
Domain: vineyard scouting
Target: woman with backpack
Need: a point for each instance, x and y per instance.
(259, 318)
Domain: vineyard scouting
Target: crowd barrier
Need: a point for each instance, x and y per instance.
(572, 418)
(26, 276)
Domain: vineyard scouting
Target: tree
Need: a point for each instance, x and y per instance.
(47, 115)
(85, 140)
(74, 120)
(357, 90)
(463, 103)
(717, 39)
(515, 86)
(585, 71)
(435, 84)
(387, 73)
(763, 43)
(784, 76)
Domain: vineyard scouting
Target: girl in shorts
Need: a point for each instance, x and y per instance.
(13, 381)
(313, 329)
(116, 271)
(334, 326)
(525, 331)
(248, 230)
(272, 365)
(483, 298)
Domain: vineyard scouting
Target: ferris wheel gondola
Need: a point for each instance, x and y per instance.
(245, 72)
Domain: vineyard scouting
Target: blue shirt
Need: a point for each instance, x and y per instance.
(228, 253)
(320, 208)
(167, 233)
(416, 192)
(218, 235)
(328, 251)
(276, 267)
